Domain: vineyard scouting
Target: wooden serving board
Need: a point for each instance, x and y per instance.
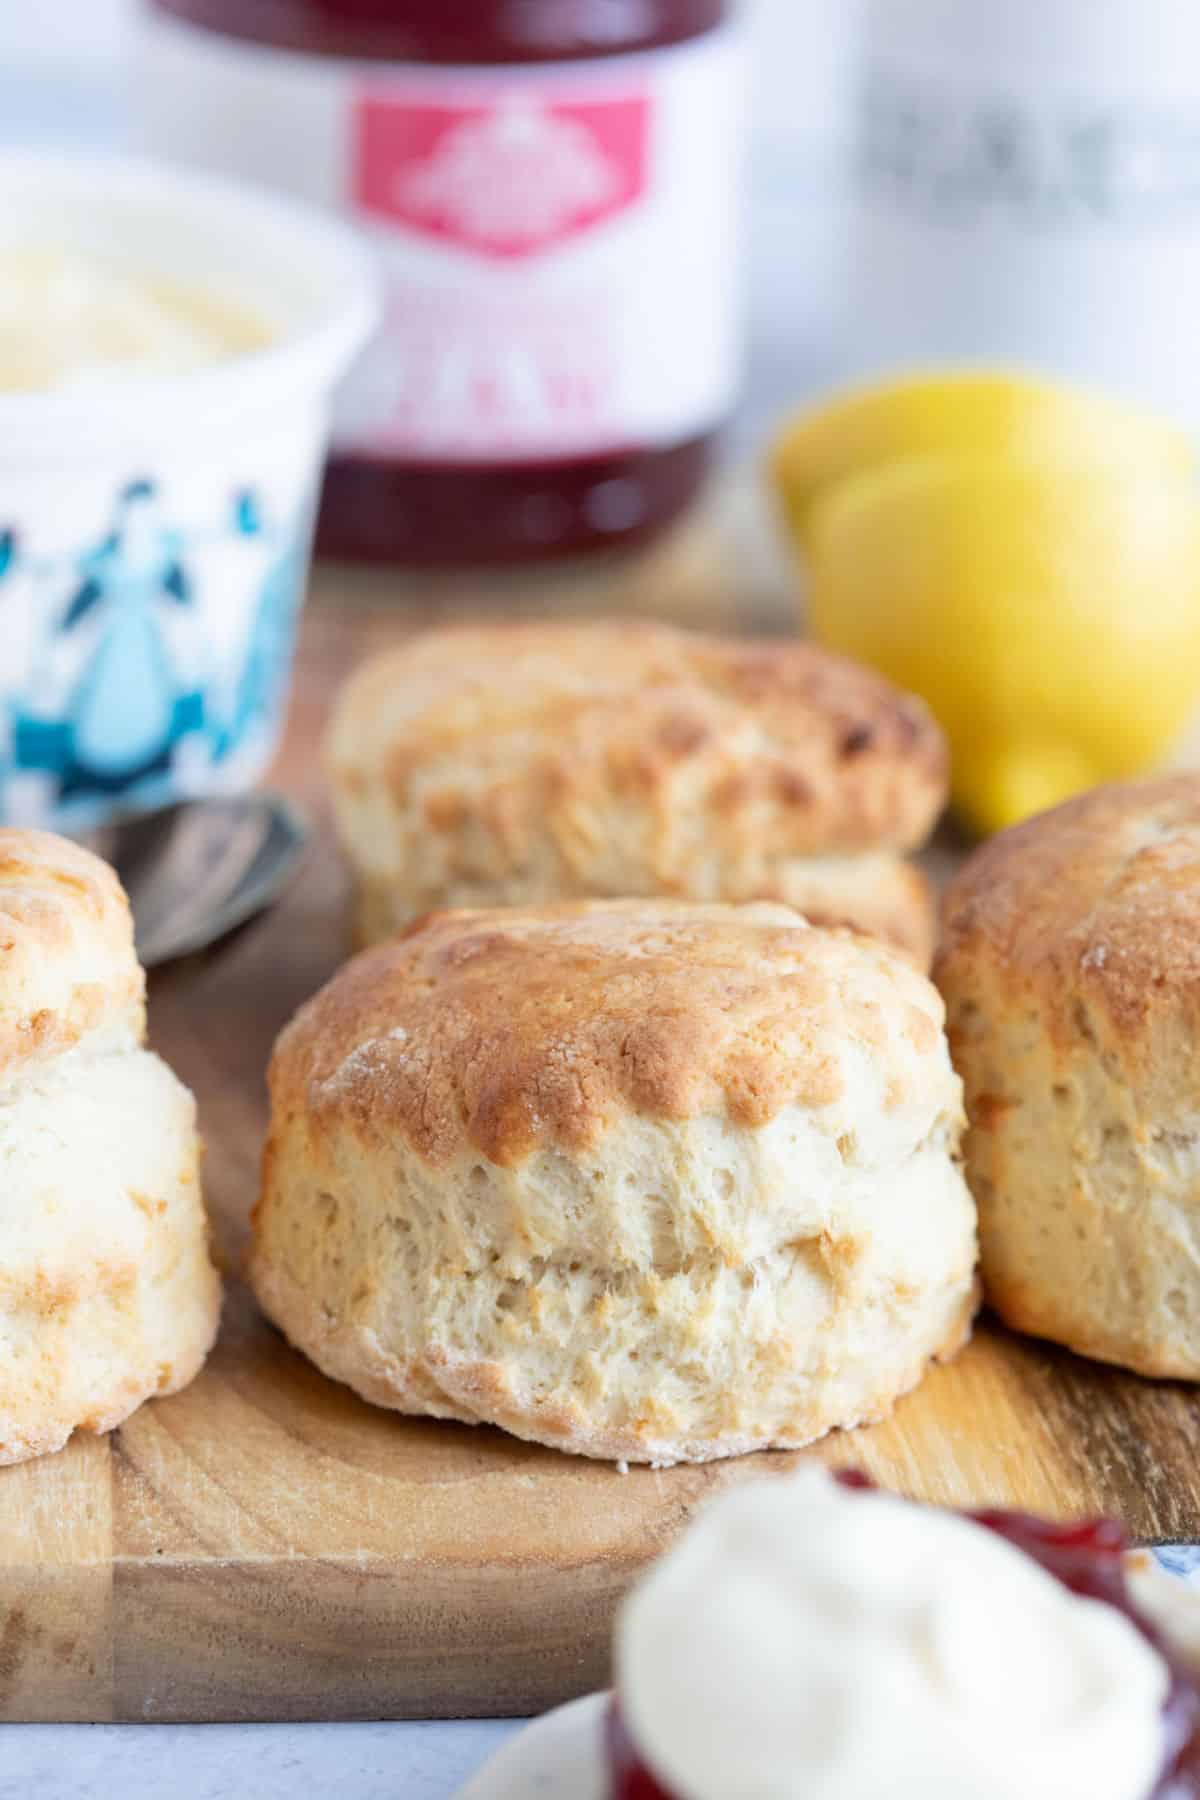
(266, 1546)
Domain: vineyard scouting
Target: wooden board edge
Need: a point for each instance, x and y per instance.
(56, 1644)
(288, 1640)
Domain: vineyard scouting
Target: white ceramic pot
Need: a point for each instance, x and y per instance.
(1027, 189)
(155, 529)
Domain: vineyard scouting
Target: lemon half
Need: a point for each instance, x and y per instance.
(969, 410)
(1049, 614)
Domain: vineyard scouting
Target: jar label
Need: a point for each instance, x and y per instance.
(556, 243)
(505, 178)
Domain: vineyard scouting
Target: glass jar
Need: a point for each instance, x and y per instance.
(550, 187)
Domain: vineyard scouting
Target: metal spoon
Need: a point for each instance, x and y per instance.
(196, 871)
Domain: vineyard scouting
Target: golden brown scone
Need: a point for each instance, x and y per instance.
(1070, 967)
(107, 1294)
(647, 1180)
(519, 764)
(67, 966)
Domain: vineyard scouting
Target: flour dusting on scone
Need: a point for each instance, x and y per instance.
(645, 1180)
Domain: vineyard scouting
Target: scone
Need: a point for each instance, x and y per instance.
(521, 764)
(107, 1293)
(647, 1180)
(1070, 967)
(810, 1638)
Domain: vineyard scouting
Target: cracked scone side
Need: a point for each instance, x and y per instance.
(1070, 966)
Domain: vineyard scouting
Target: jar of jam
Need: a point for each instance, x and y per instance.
(550, 187)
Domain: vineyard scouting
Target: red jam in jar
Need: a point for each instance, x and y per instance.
(1088, 1558)
(550, 189)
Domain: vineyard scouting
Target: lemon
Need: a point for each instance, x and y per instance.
(1049, 614)
(969, 410)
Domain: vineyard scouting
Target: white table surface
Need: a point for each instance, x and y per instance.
(243, 1762)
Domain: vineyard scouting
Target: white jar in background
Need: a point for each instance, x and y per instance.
(1027, 189)
(169, 346)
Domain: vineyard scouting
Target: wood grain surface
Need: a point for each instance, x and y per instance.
(266, 1546)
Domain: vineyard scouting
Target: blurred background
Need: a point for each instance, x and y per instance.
(69, 77)
(883, 328)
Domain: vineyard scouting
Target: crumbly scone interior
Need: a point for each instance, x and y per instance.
(107, 1293)
(765, 1288)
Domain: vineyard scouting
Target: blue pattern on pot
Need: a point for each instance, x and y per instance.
(1180, 1559)
(157, 659)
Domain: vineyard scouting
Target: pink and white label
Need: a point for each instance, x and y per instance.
(509, 178)
(556, 243)
(556, 248)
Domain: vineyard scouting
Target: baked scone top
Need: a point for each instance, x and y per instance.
(779, 735)
(508, 1032)
(68, 969)
(1092, 909)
